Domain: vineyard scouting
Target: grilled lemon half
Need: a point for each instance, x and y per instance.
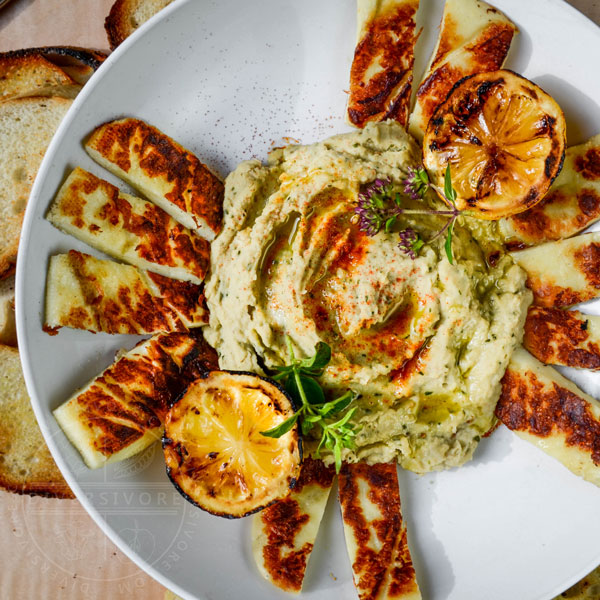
(214, 451)
(504, 138)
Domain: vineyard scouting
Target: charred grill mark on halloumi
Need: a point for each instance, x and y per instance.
(474, 38)
(163, 171)
(551, 412)
(382, 70)
(122, 411)
(284, 533)
(375, 532)
(571, 205)
(128, 228)
(563, 273)
(84, 292)
(563, 337)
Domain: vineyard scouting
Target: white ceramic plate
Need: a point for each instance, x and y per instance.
(229, 80)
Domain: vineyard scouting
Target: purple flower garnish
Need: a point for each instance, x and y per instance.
(417, 182)
(375, 206)
(379, 207)
(410, 242)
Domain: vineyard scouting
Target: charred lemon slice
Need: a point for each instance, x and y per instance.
(504, 138)
(214, 451)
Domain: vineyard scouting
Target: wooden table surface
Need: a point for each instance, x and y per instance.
(51, 548)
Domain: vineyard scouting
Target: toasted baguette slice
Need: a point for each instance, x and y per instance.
(122, 411)
(544, 408)
(571, 205)
(79, 73)
(128, 228)
(8, 328)
(563, 337)
(283, 534)
(84, 292)
(563, 273)
(126, 16)
(382, 70)
(375, 532)
(26, 465)
(26, 128)
(33, 75)
(161, 170)
(474, 38)
(78, 63)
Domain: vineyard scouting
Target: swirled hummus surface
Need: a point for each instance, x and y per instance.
(423, 342)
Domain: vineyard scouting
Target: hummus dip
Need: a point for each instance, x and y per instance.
(423, 342)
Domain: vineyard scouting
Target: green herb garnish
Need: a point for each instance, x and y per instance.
(449, 191)
(379, 207)
(299, 380)
(448, 244)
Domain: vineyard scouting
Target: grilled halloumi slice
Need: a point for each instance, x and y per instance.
(84, 292)
(128, 228)
(563, 337)
(122, 411)
(474, 38)
(382, 70)
(551, 412)
(375, 532)
(563, 273)
(162, 170)
(571, 205)
(284, 533)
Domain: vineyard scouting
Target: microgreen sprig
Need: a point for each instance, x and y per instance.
(298, 378)
(379, 208)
